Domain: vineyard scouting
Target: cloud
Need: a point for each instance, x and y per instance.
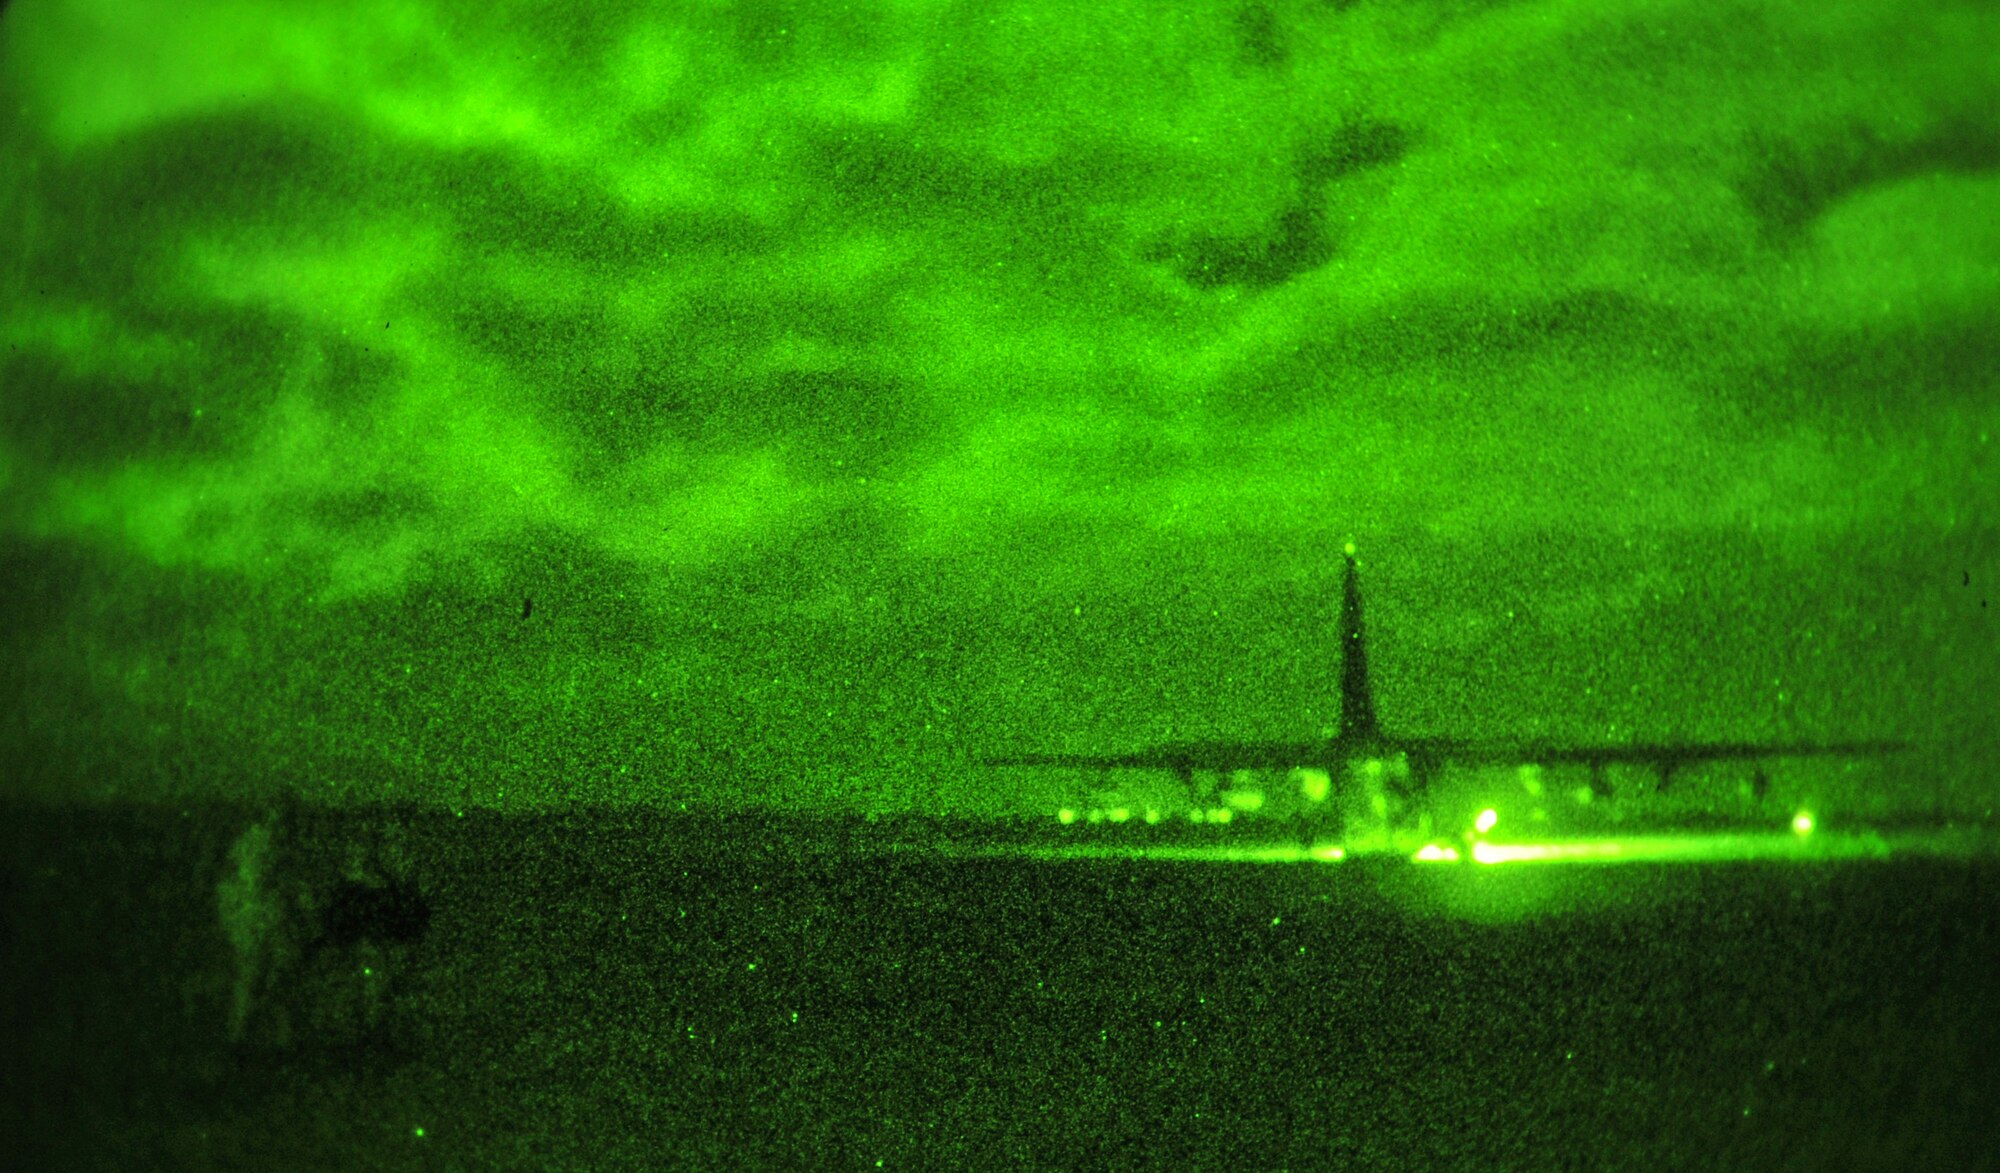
(1903, 255)
(764, 232)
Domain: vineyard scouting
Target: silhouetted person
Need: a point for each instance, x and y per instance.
(257, 903)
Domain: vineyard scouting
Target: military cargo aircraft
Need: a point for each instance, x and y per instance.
(1360, 746)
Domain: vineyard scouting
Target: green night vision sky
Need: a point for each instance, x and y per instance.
(787, 403)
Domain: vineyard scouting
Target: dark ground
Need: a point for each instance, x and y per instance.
(610, 993)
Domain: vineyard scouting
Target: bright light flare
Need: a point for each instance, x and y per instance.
(1802, 824)
(1486, 820)
(1688, 849)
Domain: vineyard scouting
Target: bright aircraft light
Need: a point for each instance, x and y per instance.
(1802, 823)
(1485, 821)
(1436, 853)
(1066, 816)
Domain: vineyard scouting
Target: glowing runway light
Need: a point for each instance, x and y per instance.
(1066, 816)
(1436, 853)
(1802, 823)
(1118, 814)
(1487, 818)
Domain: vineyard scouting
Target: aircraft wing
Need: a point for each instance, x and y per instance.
(1428, 753)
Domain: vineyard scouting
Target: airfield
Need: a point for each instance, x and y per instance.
(612, 988)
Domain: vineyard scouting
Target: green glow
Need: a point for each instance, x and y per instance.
(1487, 818)
(1066, 816)
(1761, 847)
(1802, 823)
(1686, 849)
(1663, 849)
